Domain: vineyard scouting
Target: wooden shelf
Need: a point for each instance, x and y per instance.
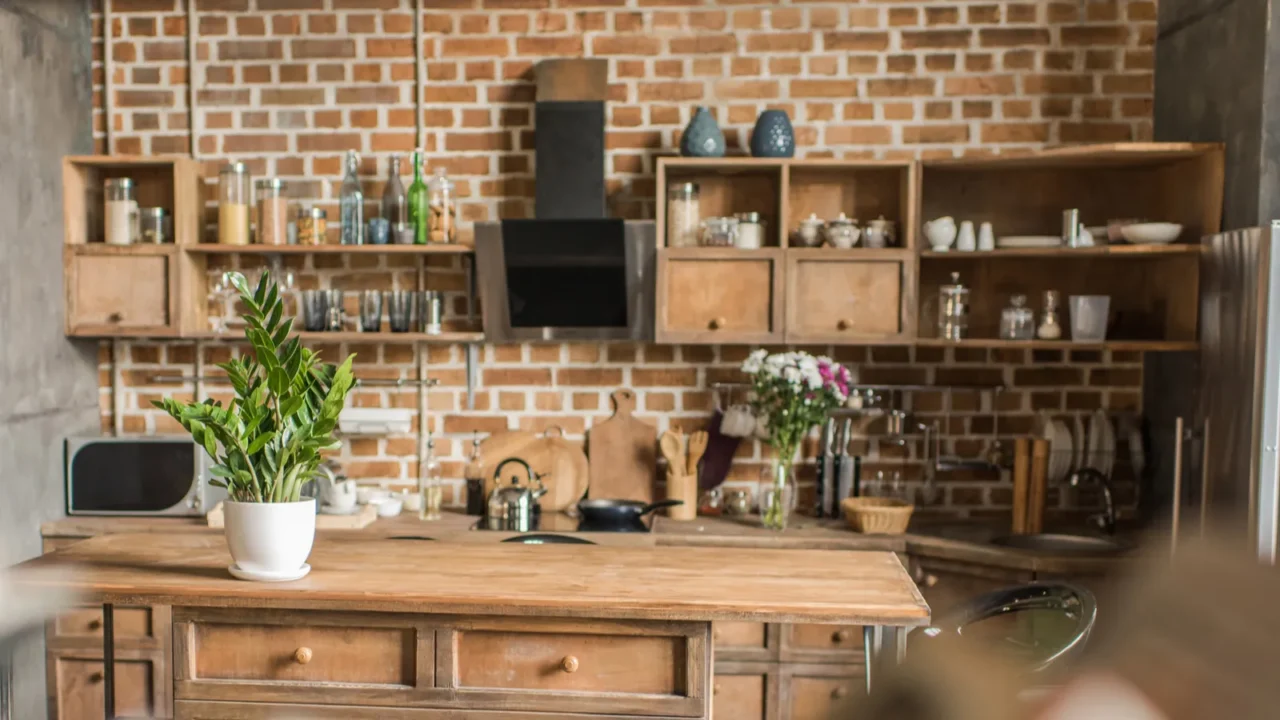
(216, 249)
(1134, 345)
(98, 248)
(444, 338)
(1066, 252)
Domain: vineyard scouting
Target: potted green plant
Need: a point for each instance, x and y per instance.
(267, 443)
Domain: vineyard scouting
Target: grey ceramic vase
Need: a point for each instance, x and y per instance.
(772, 135)
(702, 136)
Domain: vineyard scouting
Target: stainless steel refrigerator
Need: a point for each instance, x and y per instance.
(1213, 417)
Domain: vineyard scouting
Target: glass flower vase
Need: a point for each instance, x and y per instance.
(777, 495)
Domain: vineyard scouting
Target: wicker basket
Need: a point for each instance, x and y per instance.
(877, 515)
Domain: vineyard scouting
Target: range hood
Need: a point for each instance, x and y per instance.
(570, 272)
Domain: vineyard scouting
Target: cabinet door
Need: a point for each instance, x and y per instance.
(827, 692)
(846, 296)
(118, 294)
(739, 697)
(76, 686)
(713, 296)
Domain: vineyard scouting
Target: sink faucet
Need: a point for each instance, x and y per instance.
(1107, 520)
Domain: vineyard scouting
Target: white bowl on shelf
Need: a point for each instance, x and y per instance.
(1156, 233)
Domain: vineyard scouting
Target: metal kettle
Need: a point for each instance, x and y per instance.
(511, 507)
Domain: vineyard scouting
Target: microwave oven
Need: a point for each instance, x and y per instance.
(138, 476)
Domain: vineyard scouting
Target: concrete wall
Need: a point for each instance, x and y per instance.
(48, 385)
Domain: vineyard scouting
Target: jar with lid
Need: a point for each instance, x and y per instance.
(444, 208)
(1050, 325)
(750, 231)
(1017, 322)
(272, 216)
(235, 195)
(312, 224)
(953, 309)
(684, 215)
(719, 232)
(119, 211)
(154, 226)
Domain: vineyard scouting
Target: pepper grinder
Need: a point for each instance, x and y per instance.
(1050, 327)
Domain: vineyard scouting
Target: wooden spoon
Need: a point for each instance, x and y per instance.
(697, 446)
(672, 445)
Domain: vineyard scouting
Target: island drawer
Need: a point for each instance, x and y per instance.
(744, 640)
(141, 624)
(644, 668)
(803, 642)
(357, 658)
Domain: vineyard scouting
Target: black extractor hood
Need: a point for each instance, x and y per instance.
(570, 272)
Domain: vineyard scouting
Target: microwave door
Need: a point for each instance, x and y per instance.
(134, 476)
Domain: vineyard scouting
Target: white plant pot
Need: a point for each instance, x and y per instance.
(270, 539)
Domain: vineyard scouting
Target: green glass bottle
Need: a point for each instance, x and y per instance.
(419, 206)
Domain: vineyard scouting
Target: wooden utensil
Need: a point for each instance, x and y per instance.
(1021, 483)
(1039, 486)
(697, 446)
(672, 445)
(623, 453)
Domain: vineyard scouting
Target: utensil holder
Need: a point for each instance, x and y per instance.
(682, 487)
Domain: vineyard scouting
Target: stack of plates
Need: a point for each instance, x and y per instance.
(1029, 241)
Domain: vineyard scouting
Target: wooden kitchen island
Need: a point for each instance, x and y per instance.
(396, 629)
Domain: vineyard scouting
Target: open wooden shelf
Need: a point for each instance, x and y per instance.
(1132, 345)
(216, 249)
(1066, 252)
(448, 337)
(103, 249)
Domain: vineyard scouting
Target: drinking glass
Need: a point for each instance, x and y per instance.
(399, 310)
(370, 311)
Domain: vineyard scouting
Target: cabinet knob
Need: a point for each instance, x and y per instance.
(95, 678)
(115, 317)
(715, 635)
(302, 655)
(844, 324)
(840, 636)
(95, 624)
(930, 580)
(717, 323)
(715, 689)
(569, 664)
(840, 692)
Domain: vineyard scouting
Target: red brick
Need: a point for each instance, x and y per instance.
(1058, 84)
(476, 47)
(935, 133)
(517, 376)
(330, 142)
(626, 45)
(1095, 35)
(780, 42)
(915, 39)
(669, 91)
(824, 88)
(1013, 37)
(374, 95)
(292, 96)
(463, 424)
(322, 49)
(652, 377)
(1128, 84)
(145, 98)
(747, 89)
(702, 44)
(1095, 132)
(899, 87)
(1015, 133)
(858, 135)
(587, 377)
(858, 41)
(567, 46)
(389, 47)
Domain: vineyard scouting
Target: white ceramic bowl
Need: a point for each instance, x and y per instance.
(390, 507)
(1151, 233)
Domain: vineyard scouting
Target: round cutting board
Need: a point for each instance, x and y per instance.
(559, 460)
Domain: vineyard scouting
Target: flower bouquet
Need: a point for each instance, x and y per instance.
(792, 392)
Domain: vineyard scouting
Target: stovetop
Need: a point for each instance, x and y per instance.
(556, 522)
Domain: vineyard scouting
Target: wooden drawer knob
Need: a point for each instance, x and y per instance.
(715, 689)
(569, 664)
(115, 317)
(715, 635)
(302, 655)
(844, 324)
(95, 624)
(840, 636)
(95, 678)
(840, 692)
(717, 323)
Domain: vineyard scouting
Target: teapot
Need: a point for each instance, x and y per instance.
(941, 233)
(842, 232)
(512, 507)
(880, 233)
(336, 496)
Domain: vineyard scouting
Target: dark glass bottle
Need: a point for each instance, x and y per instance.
(419, 203)
(395, 203)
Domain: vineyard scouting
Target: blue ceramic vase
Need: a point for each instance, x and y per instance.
(702, 136)
(772, 135)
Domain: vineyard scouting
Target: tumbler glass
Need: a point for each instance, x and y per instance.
(313, 310)
(333, 310)
(400, 313)
(370, 311)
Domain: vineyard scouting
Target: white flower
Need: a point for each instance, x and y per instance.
(754, 362)
(792, 375)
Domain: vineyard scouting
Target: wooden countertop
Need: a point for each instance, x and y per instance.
(686, 583)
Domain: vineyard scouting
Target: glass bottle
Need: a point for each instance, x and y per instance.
(419, 210)
(351, 203)
(235, 196)
(953, 309)
(474, 475)
(1050, 325)
(430, 484)
(395, 204)
(1017, 322)
(444, 211)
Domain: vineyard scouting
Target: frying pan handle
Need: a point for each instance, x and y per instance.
(659, 505)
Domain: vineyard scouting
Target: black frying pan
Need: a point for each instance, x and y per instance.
(618, 515)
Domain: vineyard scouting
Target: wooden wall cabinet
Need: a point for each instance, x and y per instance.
(716, 296)
(833, 297)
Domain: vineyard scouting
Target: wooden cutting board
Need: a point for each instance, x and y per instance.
(561, 462)
(623, 453)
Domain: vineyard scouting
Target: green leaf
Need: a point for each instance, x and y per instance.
(260, 442)
(277, 381)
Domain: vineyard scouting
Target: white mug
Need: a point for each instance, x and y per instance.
(966, 241)
(986, 237)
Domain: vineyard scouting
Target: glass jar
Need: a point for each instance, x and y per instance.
(750, 231)
(235, 193)
(444, 208)
(119, 211)
(719, 232)
(953, 310)
(1050, 324)
(1017, 322)
(272, 216)
(312, 224)
(431, 312)
(684, 215)
(154, 226)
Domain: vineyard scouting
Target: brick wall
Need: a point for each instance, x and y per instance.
(289, 85)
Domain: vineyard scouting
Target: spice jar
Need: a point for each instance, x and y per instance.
(235, 193)
(750, 231)
(120, 211)
(684, 216)
(953, 309)
(312, 224)
(272, 213)
(154, 226)
(719, 232)
(1017, 322)
(444, 209)
(1050, 325)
